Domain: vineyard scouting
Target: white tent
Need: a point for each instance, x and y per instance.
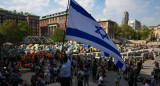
(8, 43)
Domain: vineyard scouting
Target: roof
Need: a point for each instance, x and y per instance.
(152, 26)
(17, 13)
(134, 20)
(103, 20)
(54, 15)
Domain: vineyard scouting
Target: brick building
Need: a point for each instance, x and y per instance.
(49, 22)
(108, 26)
(33, 20)
(156, 31)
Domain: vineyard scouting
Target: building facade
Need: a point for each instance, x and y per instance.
(156, 31)
(135, 24)
(108, 27)
(33, 20)
(125, 18)
(49, 22)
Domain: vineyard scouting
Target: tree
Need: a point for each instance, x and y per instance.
(145, 32)
(152, 36)
(127, 31)
(1, 39)
(13, 32)
(58, 35)
(9, 29)
(24, 28)
(118, 30)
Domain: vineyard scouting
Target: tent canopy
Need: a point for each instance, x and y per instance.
(7, 43)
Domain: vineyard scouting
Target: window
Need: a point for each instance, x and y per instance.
(104, 25)
(56, 20)
(60, 21)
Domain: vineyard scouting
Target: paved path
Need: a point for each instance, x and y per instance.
(109, 81)
(148, 67)
(27, 77)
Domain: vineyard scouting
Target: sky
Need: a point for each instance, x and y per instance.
(146, 11)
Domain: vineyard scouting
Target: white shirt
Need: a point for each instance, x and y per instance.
(100, 80)
(47, 74)
(146, 84)
(152, 78)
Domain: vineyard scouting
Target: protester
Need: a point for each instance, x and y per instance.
(21, 83)
(130, 77)
(80, 79)
(65, 72)
(94, 71)
(117, 77)
(101, 81)
(47, 77)
(86, 78)
(146, 82)
(152, 78)
(40, 82)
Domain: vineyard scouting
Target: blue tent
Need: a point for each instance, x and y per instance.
(86, 46)
(68, 46)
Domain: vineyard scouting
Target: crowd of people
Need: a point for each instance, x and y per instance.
(63, 70)
(49, 68)
(133, 68)
(10, 72)
(57, 66)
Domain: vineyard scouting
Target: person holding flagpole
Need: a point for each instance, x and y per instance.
(65, 73)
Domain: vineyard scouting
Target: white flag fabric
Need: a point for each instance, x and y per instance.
(82, 27)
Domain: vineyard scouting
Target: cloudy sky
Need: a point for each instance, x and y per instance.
(146, 11)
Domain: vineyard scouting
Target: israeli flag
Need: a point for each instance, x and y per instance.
(82, 27)
(104, 54)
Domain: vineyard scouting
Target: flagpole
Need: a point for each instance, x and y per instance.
(66, 22)
(67, 14)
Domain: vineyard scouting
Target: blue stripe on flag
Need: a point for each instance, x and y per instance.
(84, 35)
(106, 54)
(80, 10)
(119, 64)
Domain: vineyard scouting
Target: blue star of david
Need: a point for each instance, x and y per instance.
(101, 32)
